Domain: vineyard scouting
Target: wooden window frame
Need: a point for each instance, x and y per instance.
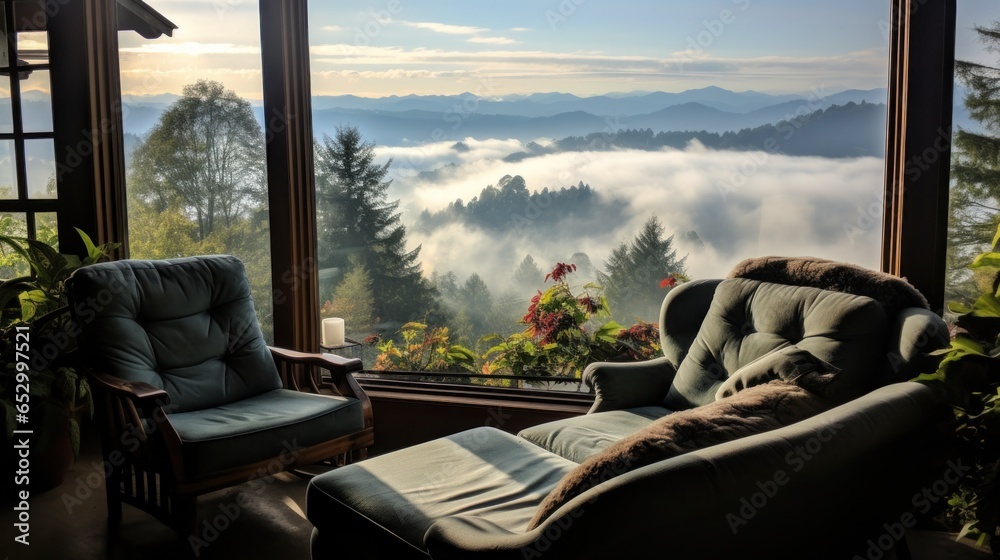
(921, 74)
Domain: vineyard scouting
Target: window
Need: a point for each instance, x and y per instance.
(633, 141)
(27, 154)
(975, 198)
(195, 142)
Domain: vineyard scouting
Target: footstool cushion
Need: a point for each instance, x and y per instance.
(484, 472)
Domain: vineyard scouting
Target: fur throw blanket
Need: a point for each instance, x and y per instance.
(750, 411)
(892, 292)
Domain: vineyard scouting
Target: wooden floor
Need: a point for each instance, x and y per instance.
(70, 522)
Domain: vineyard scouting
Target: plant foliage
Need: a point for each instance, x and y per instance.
(39, 303)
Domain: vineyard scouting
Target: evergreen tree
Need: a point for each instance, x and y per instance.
(476, 300)
(585, 269)
(354, 218)
(353, 300)
(527, 276)
(975, 193)
(634, 271)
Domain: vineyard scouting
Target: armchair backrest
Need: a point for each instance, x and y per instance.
(749, 318)
(855, 322)
(185, 325)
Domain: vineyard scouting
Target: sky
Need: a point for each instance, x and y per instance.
(586, 47)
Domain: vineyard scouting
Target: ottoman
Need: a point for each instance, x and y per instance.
(484, 473)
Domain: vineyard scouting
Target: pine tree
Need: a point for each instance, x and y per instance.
(527, 276)
(353, 300)
(975, 193)
(354, 218)
(476, 301)
(634, 270)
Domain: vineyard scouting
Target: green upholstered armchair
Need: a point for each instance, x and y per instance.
(191, 398)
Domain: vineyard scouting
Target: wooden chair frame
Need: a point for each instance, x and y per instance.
(143, 453)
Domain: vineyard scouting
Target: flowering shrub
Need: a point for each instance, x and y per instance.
(641, 340)
(423, 349)
(564, 333)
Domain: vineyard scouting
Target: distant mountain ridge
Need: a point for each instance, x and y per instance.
(413, 119)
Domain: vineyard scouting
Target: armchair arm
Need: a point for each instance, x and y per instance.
(143, 394)
(129, 408)
(621, 385)
(916, 333)
(300, 371)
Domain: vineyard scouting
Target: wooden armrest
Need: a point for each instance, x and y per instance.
(334, 363)
(126, 399)
(142, 393)
(340, 368)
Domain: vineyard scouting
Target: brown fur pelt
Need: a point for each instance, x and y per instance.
(892, 292)
(751, 411)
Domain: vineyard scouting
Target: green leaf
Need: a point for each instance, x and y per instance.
(93, 253)
(996, 238)
(966, 529)
(15, 244)
(461, 354)
(987, 305)
(986, 259)
(966, 344)
(959, 307)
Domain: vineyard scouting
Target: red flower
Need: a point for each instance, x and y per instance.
(549, 325)
(668, 282)
(532, 313)
(560, 272)
(589, 304)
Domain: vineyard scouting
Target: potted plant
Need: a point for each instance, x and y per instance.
(38, 345)
(969, 373)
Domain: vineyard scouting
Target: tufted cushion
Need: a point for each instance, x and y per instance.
(139, 313)
(749, 318)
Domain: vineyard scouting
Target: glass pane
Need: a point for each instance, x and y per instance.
(975, 174)
(47, 229)
(13, 224)
(4, 49)
(692, 136)
(6, 113)
(40, 160)
(36, 102)
(33, 47)
(201, 201)
(8, 176)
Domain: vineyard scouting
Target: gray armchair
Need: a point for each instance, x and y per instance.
(190, 397)
(826, 485)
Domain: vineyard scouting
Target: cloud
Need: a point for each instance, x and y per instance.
(191, 48)
(445, 28)
(528, 63)
(740, 204)
(391, 74)
(493, 40)
(333, 28)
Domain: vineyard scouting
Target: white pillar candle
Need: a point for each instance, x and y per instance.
(333, 332)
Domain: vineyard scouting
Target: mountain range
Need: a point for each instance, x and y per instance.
(415, 119)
